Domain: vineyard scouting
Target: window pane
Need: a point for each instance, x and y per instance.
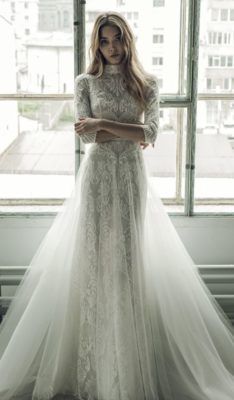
(37, 50)
(215, 55)
(36, 149)
(158, 40)
(158, 3)
(166, 161)
(214, 14)
(215, 154)
(223, 61)
(214, 164)
(223, 14)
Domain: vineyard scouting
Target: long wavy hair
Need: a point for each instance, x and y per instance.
(137, 80)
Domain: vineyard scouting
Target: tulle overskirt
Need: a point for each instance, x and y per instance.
(112, 306)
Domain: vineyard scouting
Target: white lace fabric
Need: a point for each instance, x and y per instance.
(112, 306)
(106, 97)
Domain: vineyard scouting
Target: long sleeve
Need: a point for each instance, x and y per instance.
(82, 105)
(151, 122)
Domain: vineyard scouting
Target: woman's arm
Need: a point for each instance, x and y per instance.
(132, 132)
(110, 129)
(104, 136)
(146, 132)
(82, 106)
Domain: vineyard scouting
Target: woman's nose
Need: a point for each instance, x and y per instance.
(111, 47)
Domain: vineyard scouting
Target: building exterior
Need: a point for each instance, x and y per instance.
(55, 15)
(216, 64)
(8, 109)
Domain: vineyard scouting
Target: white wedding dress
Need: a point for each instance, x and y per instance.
(112, 306)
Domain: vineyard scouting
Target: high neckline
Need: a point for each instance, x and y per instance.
(113, 68)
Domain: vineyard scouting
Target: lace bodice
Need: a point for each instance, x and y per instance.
(106, 97)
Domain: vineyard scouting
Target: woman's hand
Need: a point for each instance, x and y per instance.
(86, 125)
(144, 145)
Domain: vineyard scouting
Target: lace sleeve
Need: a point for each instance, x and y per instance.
(151, 123)
(82, 105)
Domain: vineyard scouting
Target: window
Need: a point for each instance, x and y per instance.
(65, 19)
(208, 83)
(219, 38)
(223, 14)
(227, 38)
(158, 3)
(37, 160)
(214, 14)
(157, 60)
(59, 19)
(232, 86)
(230, 61)
(216, 60)
(214, 168)
(226, 83)
(157, 38)
(223, 61)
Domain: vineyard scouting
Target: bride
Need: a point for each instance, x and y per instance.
(112, 306)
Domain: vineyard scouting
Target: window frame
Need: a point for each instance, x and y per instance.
(187, 101)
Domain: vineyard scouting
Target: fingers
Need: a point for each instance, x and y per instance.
(79, 127)
(144, 145)
(78, 123)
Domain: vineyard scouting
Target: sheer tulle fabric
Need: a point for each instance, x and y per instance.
(112, 306)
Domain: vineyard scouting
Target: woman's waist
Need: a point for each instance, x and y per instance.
(118, 145)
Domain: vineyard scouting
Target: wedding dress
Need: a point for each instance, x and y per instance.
(112, 306)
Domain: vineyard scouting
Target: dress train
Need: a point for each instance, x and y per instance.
(112, 306)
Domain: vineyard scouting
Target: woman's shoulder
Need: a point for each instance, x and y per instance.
(152, 86)
(84, 77)
(151, 79)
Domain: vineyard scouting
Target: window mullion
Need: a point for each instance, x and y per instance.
(180, 112)
(79, 62)
(192, 83)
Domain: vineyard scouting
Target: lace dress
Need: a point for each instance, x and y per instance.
(112, 306)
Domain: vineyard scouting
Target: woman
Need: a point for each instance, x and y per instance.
(112, 307)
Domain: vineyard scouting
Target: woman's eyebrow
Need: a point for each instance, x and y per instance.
(104, 37)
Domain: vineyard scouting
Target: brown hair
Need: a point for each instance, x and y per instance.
(136, 78)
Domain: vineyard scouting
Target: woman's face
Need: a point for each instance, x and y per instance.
(111, 45)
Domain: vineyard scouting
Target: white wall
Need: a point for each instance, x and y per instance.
(209, 240)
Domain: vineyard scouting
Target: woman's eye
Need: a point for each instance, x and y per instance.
(103, 41)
